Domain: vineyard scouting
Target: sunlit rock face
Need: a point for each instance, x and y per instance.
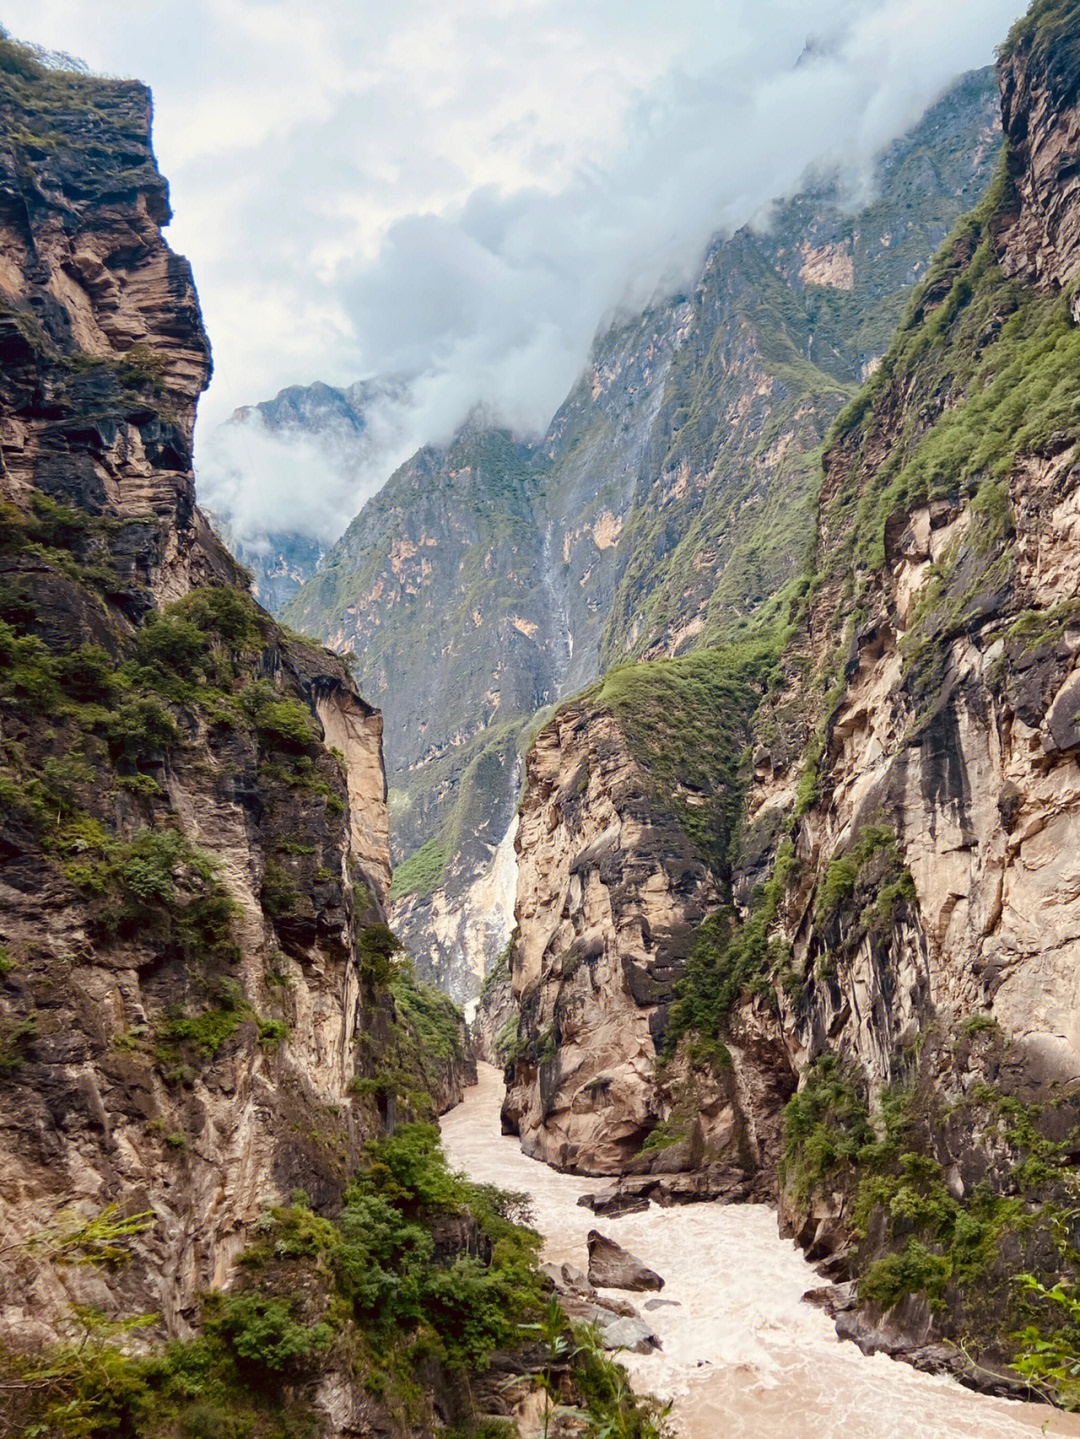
(910, 797)
(610, 893)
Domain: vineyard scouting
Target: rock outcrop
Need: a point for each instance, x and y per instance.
(613, 1267)
(617, 1323)
(610, 889)
(617, 874)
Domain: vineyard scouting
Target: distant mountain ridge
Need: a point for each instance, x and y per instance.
(671, 497)
(338, 421)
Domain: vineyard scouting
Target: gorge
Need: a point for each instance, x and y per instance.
(734, 771)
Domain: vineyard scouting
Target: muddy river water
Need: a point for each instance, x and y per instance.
(743, 1357)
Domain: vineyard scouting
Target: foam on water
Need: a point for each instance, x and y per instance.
(743, 1357)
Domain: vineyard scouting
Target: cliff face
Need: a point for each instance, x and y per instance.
(611, 892)
(609, 887)
(441, 578)
(904, 876)
(950, 493)
(1040, 82)
(671, 496)
(178, 848)
(202, 1020)
(630, 804)
(103, 347)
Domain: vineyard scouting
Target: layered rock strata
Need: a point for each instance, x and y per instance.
(193, 819)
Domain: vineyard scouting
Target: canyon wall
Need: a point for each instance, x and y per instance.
(203, 1024)
(670, 497)
(149, 1033)
(897, 906)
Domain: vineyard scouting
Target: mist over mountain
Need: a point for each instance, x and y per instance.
(467, 194)
(701, 713)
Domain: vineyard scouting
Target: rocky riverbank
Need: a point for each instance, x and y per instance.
(741, 1354)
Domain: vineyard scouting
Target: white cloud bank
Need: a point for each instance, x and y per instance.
(462, 191)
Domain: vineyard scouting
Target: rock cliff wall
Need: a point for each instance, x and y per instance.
(177, 870)
(625, 828)
(201, 1013)
(670, 497)
(904, 878)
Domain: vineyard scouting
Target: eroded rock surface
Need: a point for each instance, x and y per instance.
(613, 1267)
(609, 892)
(186, 869)
(905, 951)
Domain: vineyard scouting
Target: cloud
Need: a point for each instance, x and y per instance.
(304, 479)
(463, 192)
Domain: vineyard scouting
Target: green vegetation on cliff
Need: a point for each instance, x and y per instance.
(987, 369)
(1049, 34)
(418, 1280)
(686, 722)
(918, 1230)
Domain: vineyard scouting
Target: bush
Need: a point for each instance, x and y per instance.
(279, 895)
(432, 1015)
(280, 723)
(88, 675)
(140, 731)
(226, 615)
(826, 1125)
(377, 948)
(912, 1270)
(157, 883)
(728, 957)
(264, 1333)
(170, 644)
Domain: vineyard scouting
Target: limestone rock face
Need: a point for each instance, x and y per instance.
(1040, 240)
(957, 725)
(104, 352)
(185, 866)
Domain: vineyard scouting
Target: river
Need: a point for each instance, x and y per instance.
(743, 1357)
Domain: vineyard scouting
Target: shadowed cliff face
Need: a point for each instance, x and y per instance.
(194, 859)
(905, 872)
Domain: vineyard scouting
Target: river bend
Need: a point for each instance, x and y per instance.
(743, 1357)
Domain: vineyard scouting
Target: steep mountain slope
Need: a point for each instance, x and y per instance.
(898, 935)
(671, 495)
(217, 1214)
(440, 578)
(334, 427)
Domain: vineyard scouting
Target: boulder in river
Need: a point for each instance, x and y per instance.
(614, 1202)
(613, 1267)
(617, 1323)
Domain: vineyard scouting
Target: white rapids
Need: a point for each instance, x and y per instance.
(743, 1357)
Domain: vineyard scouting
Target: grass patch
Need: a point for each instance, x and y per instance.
(420, 874)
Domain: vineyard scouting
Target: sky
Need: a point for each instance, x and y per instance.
(462, 191)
